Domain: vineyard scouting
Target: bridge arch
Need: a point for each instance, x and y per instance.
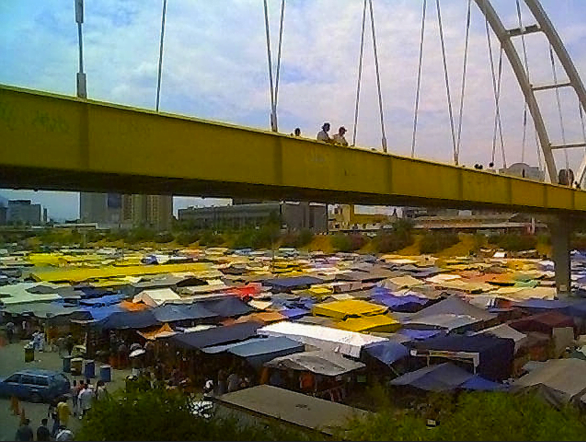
(505, 37)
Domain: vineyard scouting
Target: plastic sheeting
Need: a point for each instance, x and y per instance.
(227, 307)
(181, 312)
(387, 351)
(129, 319)
(295, 282)
(495, 354)
(216, 336)
(257, 351)
(455, 306)
(342, 341)
(346, 308)
(321, 362)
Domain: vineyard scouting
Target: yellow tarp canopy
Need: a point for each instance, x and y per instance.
(378, 323)
(84, 274)
(350, 307)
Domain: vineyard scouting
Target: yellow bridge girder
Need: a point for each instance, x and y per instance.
(50, 141)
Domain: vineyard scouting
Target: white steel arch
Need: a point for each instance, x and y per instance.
(544, 25)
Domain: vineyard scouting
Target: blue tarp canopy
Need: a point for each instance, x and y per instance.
(387, 351)
(495, 354)
(542, 304)
(293, 313)
(129, 319)
(407, 303)
(226, 307)
(181, 312)
(216, 336)
(420, 335)
(444, 377)
(99, 313)
(102, 300)
(257, 351)
(294, 282)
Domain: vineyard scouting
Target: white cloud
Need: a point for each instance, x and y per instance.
(215, 66)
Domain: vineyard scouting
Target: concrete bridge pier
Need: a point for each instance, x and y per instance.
(560, 228)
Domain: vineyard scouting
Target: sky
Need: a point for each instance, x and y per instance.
(215, 67)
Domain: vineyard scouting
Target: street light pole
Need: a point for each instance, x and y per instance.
(81, 78)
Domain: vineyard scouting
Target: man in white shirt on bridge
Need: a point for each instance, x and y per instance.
(339, 137)
(323, 134)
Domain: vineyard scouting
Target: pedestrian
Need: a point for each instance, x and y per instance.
(52, 413)
(24, 432)
(15, 405)
(221, 387)
(73, 391)
(63, 411)
(10, 331)
(323, 134)
(233, 382)
(64, 434)
(43, 432)
(86, 397)
(122, 355)
(24, 326)
(69, 343)
(339, 137)
(296, 132)
(101, 391)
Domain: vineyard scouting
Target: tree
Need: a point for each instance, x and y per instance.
(160, 414)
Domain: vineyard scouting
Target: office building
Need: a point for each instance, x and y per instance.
(292, 215)
(24, 212)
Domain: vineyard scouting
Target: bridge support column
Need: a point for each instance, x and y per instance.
(560, 230)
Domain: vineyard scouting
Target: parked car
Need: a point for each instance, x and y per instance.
(35, 385)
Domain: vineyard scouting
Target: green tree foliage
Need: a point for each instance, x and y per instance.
(474, 416)
(433, 242)
(163, 237)
(348, 242)
(514, 242)
(210, 238)
(140, 234)
(397, 239)
(186, 238)
(159, 414)
(297, 239)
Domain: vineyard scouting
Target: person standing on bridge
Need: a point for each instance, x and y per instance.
(339, 137)
(323, 134)
(296, 132)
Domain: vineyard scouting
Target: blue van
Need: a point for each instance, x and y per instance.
(35, 385)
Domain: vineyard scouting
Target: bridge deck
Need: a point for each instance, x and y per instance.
(56, 142)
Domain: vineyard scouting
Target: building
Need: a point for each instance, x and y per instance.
(292, 215)
(3, 215)
(348, 217)
(153, 211)
(102, 208)
(23, 211)
(115, 210)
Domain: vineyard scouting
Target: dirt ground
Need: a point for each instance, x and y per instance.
(11, 360)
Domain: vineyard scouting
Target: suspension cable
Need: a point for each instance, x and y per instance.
(447, 80)
(417, 93)
(279, 55)
(380, 95)
(498, 107)
(496, 91)
(360, 58)
(464, 68)
(161, 54)
(526, 66)
(557, 96)
(273, 119)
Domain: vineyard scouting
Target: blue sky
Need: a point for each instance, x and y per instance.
(215, 68)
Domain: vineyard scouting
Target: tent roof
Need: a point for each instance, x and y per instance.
(161, 332)
(370, 323)
(566, 376)
(217, 335)
(327, 363)
(345, 308)
(387, 351)
(456, 306)
(445, 320)
(156, 297)
(292, 282)
(129, 319)
(446, 376)
(227, 306)
(181, 312)
(345, 342)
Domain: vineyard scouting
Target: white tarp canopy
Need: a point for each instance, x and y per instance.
(155, 298)
(322, 362)
(20, 294)
(559, 380)
(325, 338)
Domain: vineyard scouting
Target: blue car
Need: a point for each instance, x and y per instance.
(35, 385)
